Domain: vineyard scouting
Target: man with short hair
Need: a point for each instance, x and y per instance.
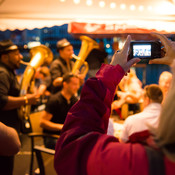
(58, 105)
(10, 101)
(61, 65)
(136, 126)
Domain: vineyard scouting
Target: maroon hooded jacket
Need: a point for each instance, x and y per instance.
(84, 148)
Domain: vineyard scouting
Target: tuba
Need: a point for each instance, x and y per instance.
(86, 46)
(40, 55)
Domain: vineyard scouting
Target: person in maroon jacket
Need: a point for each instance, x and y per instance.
(84, 148)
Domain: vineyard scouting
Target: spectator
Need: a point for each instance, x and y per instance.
(57, 107)
(164, 82)
(135, 127)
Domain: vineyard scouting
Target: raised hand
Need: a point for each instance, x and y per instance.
(122, 56)
(169, 49)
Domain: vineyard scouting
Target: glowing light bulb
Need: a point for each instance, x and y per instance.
(122, 6)
(150, 8)
(62, 0)
(132, 7)
(113, 5)
(76, 1)
(101, 3)
(89, 2)
(141, 8)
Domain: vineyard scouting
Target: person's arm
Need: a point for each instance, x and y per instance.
(42, 89)
(10, 143)
(47, 124)
(84, 132)
(117, 104)
(55, 71)
(16, 102)
(10, 102)
(45, 83)
(133, 97)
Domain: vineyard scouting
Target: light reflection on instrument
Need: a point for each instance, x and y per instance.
(40, 55)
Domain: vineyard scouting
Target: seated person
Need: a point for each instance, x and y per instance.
(84, 147)
(135, 127)
(131, 88)
(130, 92)
(58, 105)
(164, 82)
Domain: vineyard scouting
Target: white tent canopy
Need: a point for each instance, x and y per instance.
(146, 14)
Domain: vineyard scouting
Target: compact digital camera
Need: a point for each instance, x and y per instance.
(145, 49)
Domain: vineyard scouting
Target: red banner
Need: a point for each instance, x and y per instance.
(90, 28)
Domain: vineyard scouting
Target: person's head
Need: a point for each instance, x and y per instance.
(71, 83)
(165, 81)
(65, 49)
(152, 94)
(9, 54)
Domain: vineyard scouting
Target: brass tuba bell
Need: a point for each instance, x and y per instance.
(40, 55)
(86, 46)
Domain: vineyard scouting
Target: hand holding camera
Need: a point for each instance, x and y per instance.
(145, 49)
(169, 50)
(155, 52)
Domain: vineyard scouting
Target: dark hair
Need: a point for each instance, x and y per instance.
(154, 93)
(6, 52)
(62, 48)
(68, 76)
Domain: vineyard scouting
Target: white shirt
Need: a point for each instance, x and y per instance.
(110, 130)
(139, 122)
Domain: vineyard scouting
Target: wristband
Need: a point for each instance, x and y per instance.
(26, 100)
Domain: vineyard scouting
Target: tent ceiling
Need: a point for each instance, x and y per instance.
(21, 14)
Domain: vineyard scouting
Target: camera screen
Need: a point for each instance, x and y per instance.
(142, 50)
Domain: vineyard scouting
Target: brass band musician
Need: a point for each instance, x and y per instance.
(10, 101)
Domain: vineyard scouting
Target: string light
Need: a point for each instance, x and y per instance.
(113, 5)
(76, 1)
(89, 2)
(122, 6)
(101, 3)
(141, 8)
(150, 8)
(132, 7)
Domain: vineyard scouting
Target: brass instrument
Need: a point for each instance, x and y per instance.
(86, 46)
(40, 55)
